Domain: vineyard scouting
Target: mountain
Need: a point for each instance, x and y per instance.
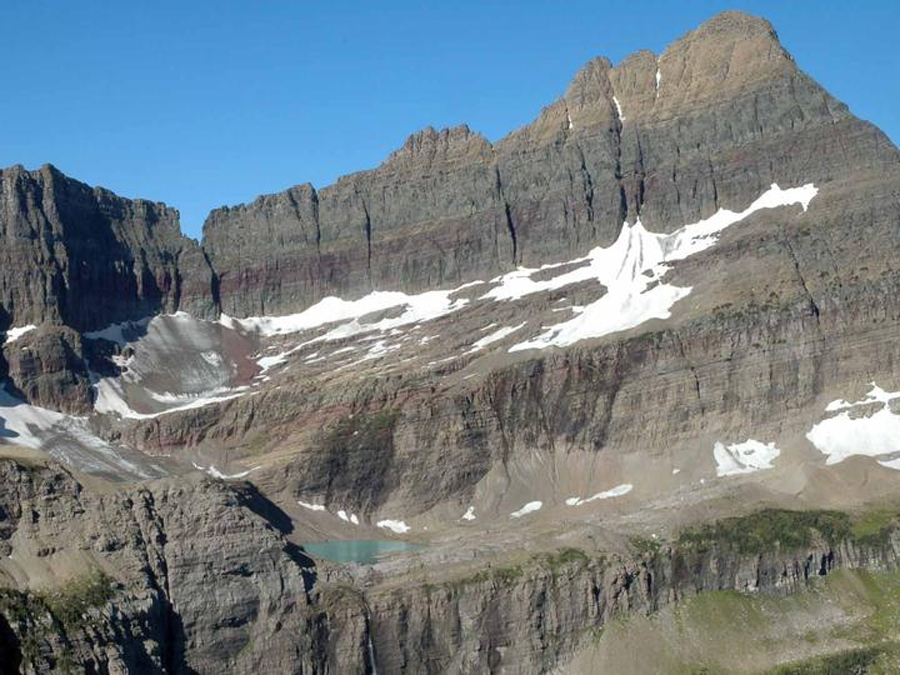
(639, 350)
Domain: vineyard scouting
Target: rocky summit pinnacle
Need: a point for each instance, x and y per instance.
(487, 407)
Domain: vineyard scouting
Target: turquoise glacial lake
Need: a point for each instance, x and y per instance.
(365, 551)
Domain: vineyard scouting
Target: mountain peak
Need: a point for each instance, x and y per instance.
(736, 21)
(590, 84)
(429, 145)
(727, 55)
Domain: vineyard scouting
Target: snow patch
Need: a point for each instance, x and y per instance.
(746, 457)
(267, 362)
(872, 435)
(215, 473)
(348, 518)
(617, 491)
(496, 336)
(397, 526)
(120, 333)
(66, 438)
(658, 80)
(16, 332)
(311, 507)
(110, 398)
(890, 463)
(416, 309)
(876, 395)
(212, 358)
(631, 269)
(530, 507)
(469, 514)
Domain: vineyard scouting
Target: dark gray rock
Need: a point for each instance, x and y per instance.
(732, 115)
(85, 257)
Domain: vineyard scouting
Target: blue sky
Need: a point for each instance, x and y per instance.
(201, 104)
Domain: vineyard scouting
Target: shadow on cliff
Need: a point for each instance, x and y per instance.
(10, 649)
(109, 280)
(252, 499)
(9, 397)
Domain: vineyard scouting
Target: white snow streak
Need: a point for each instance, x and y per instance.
(617, 491)
(415, 309)
(111, 399)
(351, 518)
(215, 473)
(120, 333)
(16, 332)
(310, 506)
(618, 109)
(496, 336)
(530, 507)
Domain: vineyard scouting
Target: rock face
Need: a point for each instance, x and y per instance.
(188, 575)
(182, 578)
(431, 214)
(729, 114)
(84, 257)
(76, 257)
(198, 578)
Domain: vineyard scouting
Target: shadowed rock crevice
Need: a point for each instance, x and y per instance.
(10, 649)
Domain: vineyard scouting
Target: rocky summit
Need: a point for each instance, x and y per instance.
(590, 398)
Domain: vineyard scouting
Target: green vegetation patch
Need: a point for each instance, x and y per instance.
(768, 530)
(566, 556)
(63, 612)
(852, 662)
(874, 527)
(645, 545)
(72, 603)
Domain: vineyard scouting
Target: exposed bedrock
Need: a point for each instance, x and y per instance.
(199, 578)
(77, 258)
(728, 114)
(165, 578)
(85, 257)
(405, 442)
(731, 115)
(530, 618)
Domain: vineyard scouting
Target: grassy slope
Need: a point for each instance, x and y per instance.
(848, 622)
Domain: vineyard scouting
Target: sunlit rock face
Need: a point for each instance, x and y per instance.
(673, 295)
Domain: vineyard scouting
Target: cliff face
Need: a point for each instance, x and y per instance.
(76, 258)
(711, 123)
(167, 578)
(85, 257)
(199, 578)
(729, 114)
(422, 418)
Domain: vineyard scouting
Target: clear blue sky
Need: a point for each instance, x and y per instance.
(201, 104)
